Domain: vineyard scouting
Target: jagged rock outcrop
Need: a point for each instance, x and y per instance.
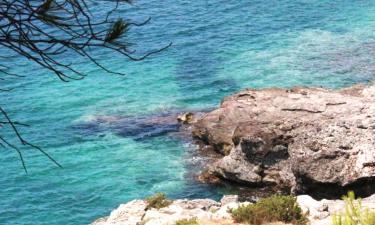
(307, 140)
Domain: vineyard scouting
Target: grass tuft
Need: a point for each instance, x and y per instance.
(192, 221)
(354, 213)
(158, 201)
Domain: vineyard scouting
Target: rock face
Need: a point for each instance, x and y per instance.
(305, 140)
(206, 211)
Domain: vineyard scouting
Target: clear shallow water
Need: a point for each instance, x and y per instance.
(219, 48)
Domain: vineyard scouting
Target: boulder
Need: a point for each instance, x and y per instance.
(305, 140)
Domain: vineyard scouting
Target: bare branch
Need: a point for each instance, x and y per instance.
(43, 31)
(23, 26)
(13, 127)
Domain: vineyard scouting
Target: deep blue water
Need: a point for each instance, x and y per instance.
(219, 47)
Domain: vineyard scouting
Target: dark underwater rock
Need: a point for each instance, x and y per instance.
(136, 127)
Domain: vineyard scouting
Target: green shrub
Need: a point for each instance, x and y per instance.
(192, 221)
(271, 209)
(354, 213)
(158, 201)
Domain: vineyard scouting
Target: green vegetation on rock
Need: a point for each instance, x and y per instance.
(272, 209)
(158, 201)
(354, 213)
(192, 221)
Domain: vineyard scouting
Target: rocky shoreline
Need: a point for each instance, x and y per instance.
(210, 212)
(300, 141)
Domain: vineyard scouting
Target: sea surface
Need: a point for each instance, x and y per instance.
(94, 127)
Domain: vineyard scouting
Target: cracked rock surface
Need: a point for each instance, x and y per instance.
(307, 140)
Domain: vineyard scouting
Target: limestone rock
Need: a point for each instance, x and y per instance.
(308, 140)
(206, 211)
(130, 213)
(209, 212)
(227, 199)
(320, 212)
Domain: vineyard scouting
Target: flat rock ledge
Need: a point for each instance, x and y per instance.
(305, 140)
(210, 212)
(207, 212)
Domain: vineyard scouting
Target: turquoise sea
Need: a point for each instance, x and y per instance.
(219, 47)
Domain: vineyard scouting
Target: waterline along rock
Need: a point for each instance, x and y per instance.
(305, 140)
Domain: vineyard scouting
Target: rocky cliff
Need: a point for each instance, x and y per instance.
(305, 140)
